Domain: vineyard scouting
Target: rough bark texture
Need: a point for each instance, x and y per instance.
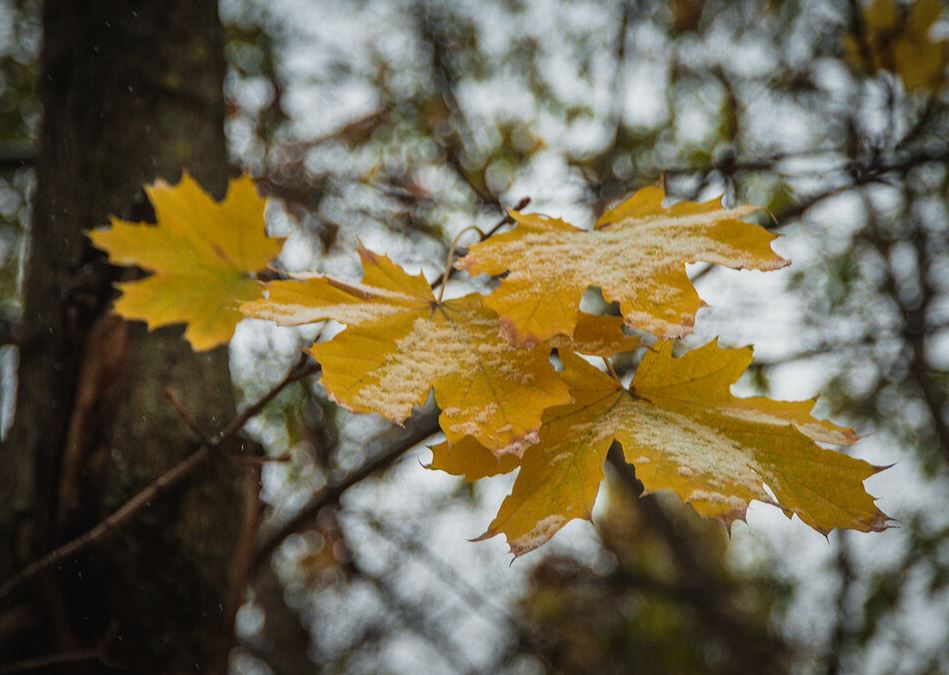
(131, 91)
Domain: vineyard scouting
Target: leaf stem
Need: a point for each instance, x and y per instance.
(440, 279)
(609, 367)
(451, 254)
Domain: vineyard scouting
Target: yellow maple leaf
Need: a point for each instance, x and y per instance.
(400, 342)
(203, 254)
(683, 430)
(596, 335)
(471, 460)
(636, 254)
(897, 38)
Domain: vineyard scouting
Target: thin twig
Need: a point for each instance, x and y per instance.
(866, 174)
(859, 30)
(302, 369)
(446, 275)
(609, 367)
(506, 220)
(17, 156)
(186, 417)
(418, 429)
(453, 579)
(112, 522)
(258, 461)
(165, 482)
(839, 635)
(47, 660)
(97, 653)
(432, 631)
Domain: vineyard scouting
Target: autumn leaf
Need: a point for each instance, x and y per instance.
(636, 255)
(898, 38)
(203, 254)
(400, 343)
(471, 460)
(596, 335)
(683, 430)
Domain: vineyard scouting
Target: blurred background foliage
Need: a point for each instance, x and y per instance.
(399, 123)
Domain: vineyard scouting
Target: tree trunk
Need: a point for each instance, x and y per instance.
(131, 91)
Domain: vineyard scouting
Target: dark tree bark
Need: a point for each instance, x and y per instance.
(132, 91)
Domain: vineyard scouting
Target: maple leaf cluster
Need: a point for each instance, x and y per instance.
(487, 358)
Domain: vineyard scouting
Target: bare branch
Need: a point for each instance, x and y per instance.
(186, 417)
(838, 640)
(111, 523)
(47, 660)
(394, 445)
(506, 220)
(412, 617)
(303, 369)
(260, 460)
(454, 581)
(17, 156)
(158, 487)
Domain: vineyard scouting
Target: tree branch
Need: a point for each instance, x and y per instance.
(47, 660)
(96, 653)
(697, 586)
(838, 640)
(451, 578)
(17, 156)
(154, 490)
(429, 630)
(393, 445)
(506, 220)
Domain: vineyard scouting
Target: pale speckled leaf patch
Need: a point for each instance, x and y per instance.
(636, 255)
(684, 431)
(400, 343)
